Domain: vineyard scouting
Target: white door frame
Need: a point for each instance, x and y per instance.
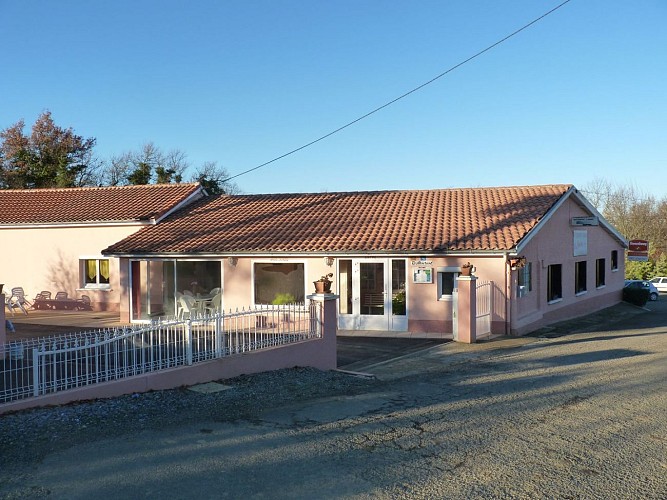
(357, 320)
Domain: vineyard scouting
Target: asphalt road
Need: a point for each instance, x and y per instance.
(356, 353)
(579, 412)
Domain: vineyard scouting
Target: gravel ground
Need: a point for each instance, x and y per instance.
(567, 415)
(28, 436)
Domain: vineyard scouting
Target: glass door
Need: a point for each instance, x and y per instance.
(372, 294)
(149, 297)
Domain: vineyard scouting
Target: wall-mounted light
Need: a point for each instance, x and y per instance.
(232, 261)
(329, 261)
(517, 263)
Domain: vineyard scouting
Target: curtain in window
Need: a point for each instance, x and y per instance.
(104, 271)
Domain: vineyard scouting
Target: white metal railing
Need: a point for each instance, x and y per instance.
(49, 364)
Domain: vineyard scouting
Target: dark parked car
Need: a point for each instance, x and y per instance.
(647, 285)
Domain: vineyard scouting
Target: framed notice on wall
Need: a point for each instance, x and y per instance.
(422, 275)
(580, 242)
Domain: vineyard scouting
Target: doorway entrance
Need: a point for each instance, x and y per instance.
(372, 294)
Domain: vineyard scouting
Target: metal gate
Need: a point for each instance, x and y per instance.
(484, 308)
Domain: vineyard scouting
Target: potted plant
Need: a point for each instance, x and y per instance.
(323, 285)
(466, 269)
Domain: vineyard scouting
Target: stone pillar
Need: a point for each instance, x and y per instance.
(328, 325)
(467, 309)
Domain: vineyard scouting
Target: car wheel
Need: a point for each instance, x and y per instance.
(654, 296)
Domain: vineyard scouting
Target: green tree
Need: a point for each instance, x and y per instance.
(638, 270)
(51, 156)
(661, 265)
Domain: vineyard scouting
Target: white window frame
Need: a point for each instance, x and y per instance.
(456, 271)
(82, 273)
(279, 261)
(527, 273)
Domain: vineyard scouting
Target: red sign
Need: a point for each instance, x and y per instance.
(638, 250)
(638, 245)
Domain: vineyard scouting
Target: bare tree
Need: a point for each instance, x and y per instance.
(213, 178)
(637, 215)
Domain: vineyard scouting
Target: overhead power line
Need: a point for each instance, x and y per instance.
(403, 96)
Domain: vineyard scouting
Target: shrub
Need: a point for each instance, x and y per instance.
(283, 299)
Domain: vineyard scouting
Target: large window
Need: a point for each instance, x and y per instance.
(282, 282)
(525, 283)
(580, 277)
(599, 273)
(554, 282)
(157, 286)
(95, 273)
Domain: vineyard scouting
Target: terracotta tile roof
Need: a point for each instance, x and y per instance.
(97, 204)
(400, 221)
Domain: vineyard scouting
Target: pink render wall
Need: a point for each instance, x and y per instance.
(49, 260)
(554, 245)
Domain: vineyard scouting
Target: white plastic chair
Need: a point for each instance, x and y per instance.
(215, 304)
(17, 299)
(189, 308)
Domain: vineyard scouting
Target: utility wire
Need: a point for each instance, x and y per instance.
(403, 96)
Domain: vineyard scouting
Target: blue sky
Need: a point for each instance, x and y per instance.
(578, 96)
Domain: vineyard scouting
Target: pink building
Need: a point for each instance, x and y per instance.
(52, 238)
(541, 254)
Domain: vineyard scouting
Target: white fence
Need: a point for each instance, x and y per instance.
(484, 306)
(57, 363)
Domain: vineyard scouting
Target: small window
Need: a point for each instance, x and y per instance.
(599, 273)
(614, 260)
(95, 273)
(525, 283)
(554, 282)
(446, 284)
(580, 277)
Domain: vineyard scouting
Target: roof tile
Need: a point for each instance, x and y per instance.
(377, 221)
(90, 205)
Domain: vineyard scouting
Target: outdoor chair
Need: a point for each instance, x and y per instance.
(42, 300)
(178, 296)
(61, 296)
(84, 303)
(43, 295)
(189, 308)
(17, 300)
(215, 304)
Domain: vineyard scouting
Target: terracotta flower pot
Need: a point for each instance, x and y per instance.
(322, 286)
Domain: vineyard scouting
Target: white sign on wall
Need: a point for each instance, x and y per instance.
(580, 242)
